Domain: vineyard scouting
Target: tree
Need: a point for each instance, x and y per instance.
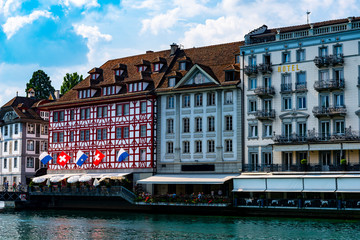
(41, 84)
(70, 80)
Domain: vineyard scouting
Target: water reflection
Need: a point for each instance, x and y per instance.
(116, 225)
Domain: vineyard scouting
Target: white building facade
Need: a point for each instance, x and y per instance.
(302, 97)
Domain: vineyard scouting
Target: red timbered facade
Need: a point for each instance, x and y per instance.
(113, 108)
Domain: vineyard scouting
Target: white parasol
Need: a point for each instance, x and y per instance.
(73, 179)
(39, 179)
(85, 178)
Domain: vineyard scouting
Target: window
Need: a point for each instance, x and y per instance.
(323, 51)
(287, 130)
(5, 146)
(82, 135)
(339, 99)
(186, 147)
(198, 124)
(16, 130)
(169, 147)
(182, 65)
(30, 128)
(119, 110)
(324, 101)
(82, 113)
(338, 50)
(230, 75)
(170, 125)
(267, 158)
(101, 112)
(29, 162)
(15, 163)
(252, 106)
(61, 116)
(72, 115)
(198, 146)
(143, 131)
(101, 134)
(30, 145)
(253, 131)
(72, 134)
(211, 124)
(126, 109)
(56, 117)
(267, 82)
(286, 82)
(252, 60)
(339, 127)
(211, 99)
(16, 143)
(126, 132)
(186, 101)
(44, 129)
(156, 67)
(228, 97)
(186, 125)
(118, 132)
(211, 146)
(171, 82)
(252, 83)
(267, 130)
(61, 137)
(300, 81)
(43, 146)
(142, 155)
(237, 58)
(170, 102)
(141, 68)
(5, 163)
(301, 129)
(228, 145)
(228, 123)
(286, 103)
(143, 106)
(301, 102)
(285, 57)
(198, 100)
(300, 55)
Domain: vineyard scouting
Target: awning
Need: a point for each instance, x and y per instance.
(351, 146)
(186, 179)
(319, 147)
(249, 184)
(319, 184)
(290, 148)
(348, 184)
(284, 185)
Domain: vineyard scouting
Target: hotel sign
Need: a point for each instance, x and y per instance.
(289, 68)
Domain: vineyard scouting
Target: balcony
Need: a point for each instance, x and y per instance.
(265, 114)
(265, 91)
(329, 111)
(251, 70)
(265, 68)
(329, 60)
(314, 137)
(329, 85)
(286, 88)
(300, 87)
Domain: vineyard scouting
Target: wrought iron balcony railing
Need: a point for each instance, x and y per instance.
(330, 84)
(329, 111)
(264, 91)
(265, 114)
(329, 60)
(300, 86)
(286, 87)
(265, 68)
(251, 70)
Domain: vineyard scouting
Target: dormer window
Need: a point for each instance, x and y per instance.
(94, 76)
(182, 65)
(110, 90)
(231, 75)
(136, 87)
(141, 68)
(118, 72)
(156, 67)
(85, 93)
(171, 82)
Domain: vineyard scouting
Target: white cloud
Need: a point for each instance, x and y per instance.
(13, 24)
(81, 3)
(9, 7)
(93, 36)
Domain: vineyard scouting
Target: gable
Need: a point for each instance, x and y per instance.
(196, 76)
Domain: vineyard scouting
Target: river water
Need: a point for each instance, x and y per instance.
(65, 224)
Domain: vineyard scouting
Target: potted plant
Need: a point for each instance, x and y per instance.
(303, 163)
(31, 186)
(343, 164)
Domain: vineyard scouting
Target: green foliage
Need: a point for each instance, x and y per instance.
(41, 84)
(70, 80)
(303, 161)
(343, 161)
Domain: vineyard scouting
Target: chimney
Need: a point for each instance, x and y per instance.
(31, 93)
(173, 48)
(57, 94)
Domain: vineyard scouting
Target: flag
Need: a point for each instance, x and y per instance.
(80, 158)
(122, 155)
(63, 158)
(45, 158)
(98, 157)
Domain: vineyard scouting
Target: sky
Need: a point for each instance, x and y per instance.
(66, 36)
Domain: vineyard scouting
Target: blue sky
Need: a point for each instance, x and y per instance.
(65, 36)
